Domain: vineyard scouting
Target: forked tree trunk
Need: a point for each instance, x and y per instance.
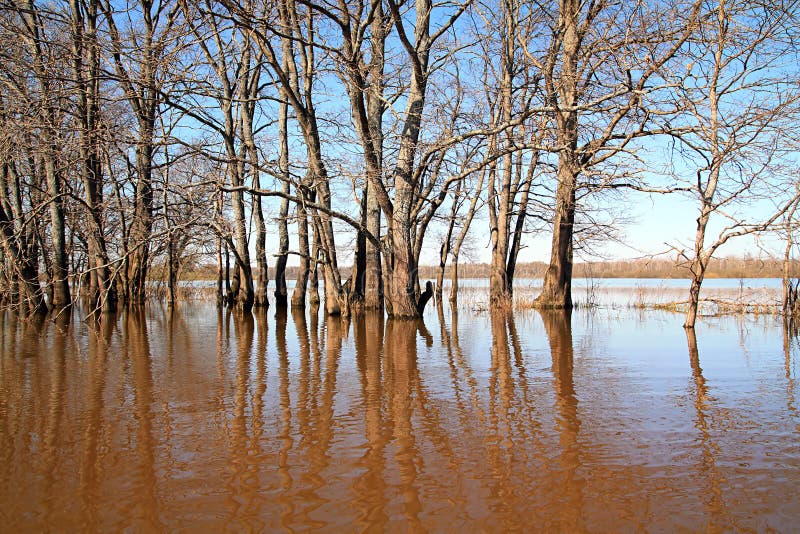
(500, 198)
(249, 86)
(376, 107)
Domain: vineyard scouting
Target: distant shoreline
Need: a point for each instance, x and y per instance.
(641, 268)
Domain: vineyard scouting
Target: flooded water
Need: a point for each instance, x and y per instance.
(606, 420)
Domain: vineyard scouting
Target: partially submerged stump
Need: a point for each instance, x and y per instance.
(425, 297)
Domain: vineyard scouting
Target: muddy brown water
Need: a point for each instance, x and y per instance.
(196, 419)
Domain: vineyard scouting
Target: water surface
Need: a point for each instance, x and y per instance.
(608, 419)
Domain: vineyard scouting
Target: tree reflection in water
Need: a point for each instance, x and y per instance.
(558, 326)
(717, 514)
(369, 489)
(100, 330)
(159, 419)
(137, 352)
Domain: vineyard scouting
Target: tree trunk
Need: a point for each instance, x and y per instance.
(356, 286)
(694, 300)
(402, 290)
(260, 298)
(283, 228)
(335, 300)
(60, 271)
(462, 236)
(59, 267)
(86, 64)
(701, 256)
(245, 294)
(142, 224)
(557, 284)
(173, 262)
(519, 226)
(242, 293)
(375, 107)
(300, 284)
(499, 221)
(313, 274)
(25, 291)
(402, 287)
(787, 281)
(249, 86)
(444, 250)
(373, 284)
(454, 279)
(221, 272)
(500, 199)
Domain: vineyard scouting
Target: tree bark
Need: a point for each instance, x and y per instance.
(142, 223)
(60, 271)
(48, 136)
(26, 293)
(557, 284)
(373, 284)
(301, 283)
(699, 260)
(283, 228)
(402, 288)
(500, 199)
(249, 81)
(86, 66)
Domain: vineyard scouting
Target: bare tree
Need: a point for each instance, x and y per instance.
(46, 54)
(403, 206)
(601, 66)
(283, 216)
(293, 64)
(236, 66)
(521, 127)
(86, 61)
(465, 226)
(142, 54)
(19, 244)
(739, 94)
(21, 212)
